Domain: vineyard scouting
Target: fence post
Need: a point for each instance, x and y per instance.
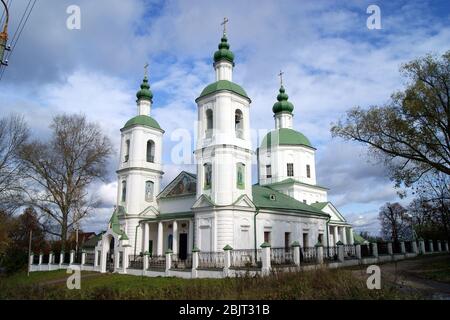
(195, 252)
(30, 261)
(227, 260)
(389, 248)
(431, 245)
(41, 255)
(439, 247)
(50, 258)
(72, 256)
(340, 247)
(125, 258)
(414, 247)
(296, 248)
(61, 258)
(358, 251)
(168, 261)
(319, 250)
(83, 257)
(375, 249)
(145, 256)
(402, 247)
(265, 258)
(421, 246)
(446, 245)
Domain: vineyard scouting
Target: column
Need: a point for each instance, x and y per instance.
(335, 235)
(375, 249)
(350, 234)
(125, 259)
(319, 249)
(344, 235)
(439, 248)
(358, 251)
(61, 258)
(41, 255)
(422, 246)
(194, 262)
(83, 257)
(431, 245)
(175, 237)
(341, 253)
(414, 247)
(265, 258)
(159, 249)
(146, 233)
(191, 236)
(50, 258)
(227, 260)
(402, 247)
(72, 256)
(446, 245)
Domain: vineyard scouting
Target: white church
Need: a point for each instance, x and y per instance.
(218, 205)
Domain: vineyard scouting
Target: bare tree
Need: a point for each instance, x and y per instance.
(60, 171)
(13, 134)
(395, 223)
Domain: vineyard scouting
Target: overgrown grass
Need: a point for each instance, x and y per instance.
(438, 270)
(318, 284)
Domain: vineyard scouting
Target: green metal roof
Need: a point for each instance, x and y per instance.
(293, 181)
(285, 136)
(283, 105)
(223, 85)
(319, 205)
(262, 199)
(145, 93)
(142, 120)
(224, 52)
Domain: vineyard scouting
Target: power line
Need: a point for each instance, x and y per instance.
(8, 4)
(18, 32)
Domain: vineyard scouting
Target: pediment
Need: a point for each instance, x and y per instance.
(203, 201)
(184, 184)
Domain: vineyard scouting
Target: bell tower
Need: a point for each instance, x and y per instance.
(223, 150)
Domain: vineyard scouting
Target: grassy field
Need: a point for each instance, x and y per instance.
(318, 284)
(438, 270)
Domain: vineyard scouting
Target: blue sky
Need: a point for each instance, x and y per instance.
(331, 60)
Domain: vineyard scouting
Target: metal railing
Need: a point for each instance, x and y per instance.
(427, 246)
(45, 258)
(282, 256)
(36, 259)
(181, 263)
(330, 254)
(77, 258)
(135, 262)
(308, 255)
(366, 250)
(156, 262)
(396, 247)
(56, 258)
(66, 258)
(89, 259)
(211, 260)
(409, 246)
(349, 251)
(382, 248)
(245, 258)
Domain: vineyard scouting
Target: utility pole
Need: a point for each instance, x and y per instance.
(4, 37)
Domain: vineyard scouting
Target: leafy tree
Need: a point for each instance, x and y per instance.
(395, 223)
(411, 133)
(60, 170)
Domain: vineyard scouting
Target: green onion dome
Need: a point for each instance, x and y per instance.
(145, 93)
(283, 105)
(224, 52)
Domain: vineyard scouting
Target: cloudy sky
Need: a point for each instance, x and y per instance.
(331, 60)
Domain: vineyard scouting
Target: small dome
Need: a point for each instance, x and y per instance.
(285, 136)
(145, 93)
(283, 105)
(224, 52)
(223, 85)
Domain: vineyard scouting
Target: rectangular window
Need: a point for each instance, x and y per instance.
(305, 240)
(267, 236)
(320, 239)
(269, 171)
(124, 191)
(240, 175)
(308, 171)
(127, 150)
(208, 172)
(287, 240)
(290, 169)
(149, 187)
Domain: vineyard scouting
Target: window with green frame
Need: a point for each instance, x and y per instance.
(207, 169)
(240, 175)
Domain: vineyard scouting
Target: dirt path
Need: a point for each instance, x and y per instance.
(407, 275)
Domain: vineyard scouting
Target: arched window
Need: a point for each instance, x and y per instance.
(127, 150)
(239, 124)
(149, 187)
(150, 151)
(240, 175)
(209, 123)
(207, 169)
(124, 191)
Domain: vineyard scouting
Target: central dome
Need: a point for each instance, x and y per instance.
(285, 136)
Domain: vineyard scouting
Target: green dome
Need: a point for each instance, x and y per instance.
(224, 52)
(223, 85)
(282, 105)
(145, 93)
(285, 136)
(142, 120)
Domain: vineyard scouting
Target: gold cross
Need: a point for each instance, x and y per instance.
(146, 69)
(281, 77)
(224, 24)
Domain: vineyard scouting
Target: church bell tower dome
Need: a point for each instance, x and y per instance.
(224, 52)
(283, 105)
(145, 93)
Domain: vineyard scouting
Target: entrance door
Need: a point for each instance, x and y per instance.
(182, 251)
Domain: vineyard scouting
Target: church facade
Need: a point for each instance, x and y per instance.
(218, 205)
